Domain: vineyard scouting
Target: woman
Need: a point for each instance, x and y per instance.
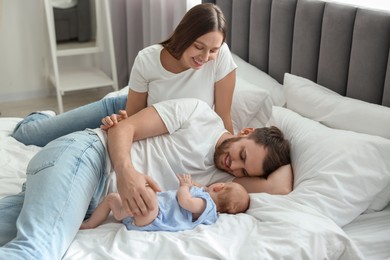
(194, 62)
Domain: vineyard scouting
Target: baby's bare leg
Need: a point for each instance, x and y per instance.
(141, 220)
(115, 203)
(112, 202)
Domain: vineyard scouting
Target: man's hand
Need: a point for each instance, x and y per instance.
(110, 121)
(132, 189)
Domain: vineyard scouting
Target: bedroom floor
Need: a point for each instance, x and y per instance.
(71, 100)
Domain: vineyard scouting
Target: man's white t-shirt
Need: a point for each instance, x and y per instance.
(194, 130)
(148, 75)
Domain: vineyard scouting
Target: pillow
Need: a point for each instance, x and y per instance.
(254, 95)
(336, 172)
(326, 106)
(261, 79)
(248, 100)
(122, 91)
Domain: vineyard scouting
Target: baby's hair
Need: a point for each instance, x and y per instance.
(233, 199)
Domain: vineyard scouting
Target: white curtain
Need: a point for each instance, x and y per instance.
(140, 23)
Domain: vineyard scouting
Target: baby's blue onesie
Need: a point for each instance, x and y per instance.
(172, 217)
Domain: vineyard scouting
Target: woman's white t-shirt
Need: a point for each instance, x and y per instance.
(148, 75)
(194, 130)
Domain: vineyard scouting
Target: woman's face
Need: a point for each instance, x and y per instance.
(202, 50)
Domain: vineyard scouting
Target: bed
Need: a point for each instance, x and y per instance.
(319, 71)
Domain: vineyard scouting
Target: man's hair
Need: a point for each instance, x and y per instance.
(278, 148)
(233, 199)
(199, 20)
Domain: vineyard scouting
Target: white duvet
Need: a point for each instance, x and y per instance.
(275, 227)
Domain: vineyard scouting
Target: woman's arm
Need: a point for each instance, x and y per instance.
(279, 182)
(223, 92)
(136, 101)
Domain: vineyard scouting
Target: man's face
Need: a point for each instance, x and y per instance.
(240, 157)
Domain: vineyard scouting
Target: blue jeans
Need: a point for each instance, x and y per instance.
(65, 181)
(39, 129)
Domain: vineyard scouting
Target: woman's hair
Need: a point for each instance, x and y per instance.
(278, 148)
(199, 20)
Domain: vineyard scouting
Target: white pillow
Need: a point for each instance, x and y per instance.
(326, 106)
(122, 91)
(248, 101)
(336, 172)
(255, 94)
(261, 79)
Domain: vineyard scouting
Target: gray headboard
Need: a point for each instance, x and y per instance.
(341, 47)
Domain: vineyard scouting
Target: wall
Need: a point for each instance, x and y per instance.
(24, 50)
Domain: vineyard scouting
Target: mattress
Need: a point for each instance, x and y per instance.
(274, 227)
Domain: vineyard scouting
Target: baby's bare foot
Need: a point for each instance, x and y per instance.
(85, 225)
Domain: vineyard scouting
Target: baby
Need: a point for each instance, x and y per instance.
(183, 209)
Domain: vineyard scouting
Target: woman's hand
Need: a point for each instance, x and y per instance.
(110, 121)
(136, 200)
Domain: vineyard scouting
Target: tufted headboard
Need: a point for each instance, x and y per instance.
(342, 47)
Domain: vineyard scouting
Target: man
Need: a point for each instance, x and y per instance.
(196, 132)
(67, 178)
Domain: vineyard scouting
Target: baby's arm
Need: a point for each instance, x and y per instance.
(186, 201)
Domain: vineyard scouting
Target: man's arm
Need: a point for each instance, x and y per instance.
(131, 183)
(280, 182)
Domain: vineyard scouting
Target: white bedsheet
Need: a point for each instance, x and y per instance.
(273, 228)
(14, 157)
(371, 234)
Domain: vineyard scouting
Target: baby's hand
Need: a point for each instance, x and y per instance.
(185, 180)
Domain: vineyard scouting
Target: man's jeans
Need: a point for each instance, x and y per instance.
(39, 129)
(65, 181)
